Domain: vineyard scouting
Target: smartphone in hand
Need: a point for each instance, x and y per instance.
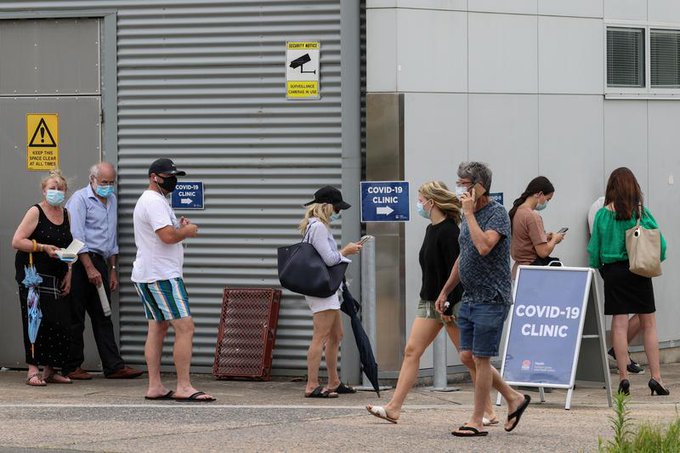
(364, 239)
(563, 230)
(478, 189)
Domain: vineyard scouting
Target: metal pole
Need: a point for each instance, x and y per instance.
(368, 301)
(439, 377)
(368, 304)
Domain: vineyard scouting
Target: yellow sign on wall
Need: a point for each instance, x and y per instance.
(42, 142)
(302, 69)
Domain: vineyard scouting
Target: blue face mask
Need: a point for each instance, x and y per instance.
(55, 197)
(541, 206)
(335, 216)
(421, 211)
(104, 191)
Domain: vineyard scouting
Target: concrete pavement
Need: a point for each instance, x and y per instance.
(112, 416)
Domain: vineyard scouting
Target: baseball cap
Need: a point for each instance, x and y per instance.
(166, 166)
(329, 194)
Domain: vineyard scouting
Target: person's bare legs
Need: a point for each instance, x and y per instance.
(181, 353)
(651, 343)
(423, 333)
(331, 351)
(620, 343)
(323, 323)
(634, 327)
(488, 377)
(152, 353)
(469, 362)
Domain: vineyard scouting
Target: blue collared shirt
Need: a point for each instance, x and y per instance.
(94, 222)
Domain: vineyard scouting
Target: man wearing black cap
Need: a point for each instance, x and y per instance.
(157, 275)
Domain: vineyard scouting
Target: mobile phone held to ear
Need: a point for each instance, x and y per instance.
(562, 230)
(478, 189)
(364, 239)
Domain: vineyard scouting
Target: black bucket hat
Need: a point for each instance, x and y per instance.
(329, 194)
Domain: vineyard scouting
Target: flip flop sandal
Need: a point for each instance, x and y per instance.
(490, 421)
(320, 393)
(167, 396)
(51, 380)
(195, 398)
(474, 432)
(380, 412)
(41, 382)
(343, 389)
(517, 414)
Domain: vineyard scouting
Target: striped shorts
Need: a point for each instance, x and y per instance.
(164, 299)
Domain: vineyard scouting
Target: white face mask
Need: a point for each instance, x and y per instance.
(460, 190)
(335, 216)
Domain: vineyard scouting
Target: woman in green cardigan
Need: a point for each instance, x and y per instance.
(624, 291)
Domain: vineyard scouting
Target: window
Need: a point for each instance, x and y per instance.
(643, 61)
(625, 57)
(665, 58)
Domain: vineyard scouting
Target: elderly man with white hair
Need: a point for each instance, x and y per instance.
(94, 220)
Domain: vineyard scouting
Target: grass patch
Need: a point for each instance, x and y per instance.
(646, 438)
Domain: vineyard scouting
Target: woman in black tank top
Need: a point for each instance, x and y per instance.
(43, 231)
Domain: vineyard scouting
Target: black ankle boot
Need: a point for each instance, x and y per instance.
(624, 387)
(658, 388)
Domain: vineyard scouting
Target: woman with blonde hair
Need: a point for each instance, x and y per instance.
(43, 231)
(438, 253)
(327, 334)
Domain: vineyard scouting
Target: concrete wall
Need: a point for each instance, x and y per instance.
(520, 85)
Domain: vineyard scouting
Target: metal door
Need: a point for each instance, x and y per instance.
(65, 84)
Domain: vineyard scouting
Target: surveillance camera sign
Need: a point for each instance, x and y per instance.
(302, 69)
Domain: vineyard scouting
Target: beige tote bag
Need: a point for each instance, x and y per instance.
(644, 250)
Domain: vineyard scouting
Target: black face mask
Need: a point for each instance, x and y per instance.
(169, 183)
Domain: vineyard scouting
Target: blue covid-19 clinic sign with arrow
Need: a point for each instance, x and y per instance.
(188, 195)
(385, 201)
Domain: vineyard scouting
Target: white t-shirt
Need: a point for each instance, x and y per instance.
(596, 206)
(155, 259)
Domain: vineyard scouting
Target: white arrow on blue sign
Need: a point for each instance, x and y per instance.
(385, 201)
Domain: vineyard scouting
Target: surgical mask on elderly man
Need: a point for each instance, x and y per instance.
(104, 191)
(55, 197)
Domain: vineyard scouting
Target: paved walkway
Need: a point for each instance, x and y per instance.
(112, 416)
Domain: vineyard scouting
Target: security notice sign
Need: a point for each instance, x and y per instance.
(42, 142)
(302, 69)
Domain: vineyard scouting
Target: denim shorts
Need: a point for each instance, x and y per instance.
(481, 327)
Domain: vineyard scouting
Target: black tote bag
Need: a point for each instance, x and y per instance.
(303, 271)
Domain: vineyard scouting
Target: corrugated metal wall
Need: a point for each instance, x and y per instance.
(203, 83)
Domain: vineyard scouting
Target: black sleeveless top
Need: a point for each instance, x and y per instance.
(49, 233)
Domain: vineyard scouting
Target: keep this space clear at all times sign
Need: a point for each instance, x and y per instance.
(42, 141)
(302, 69)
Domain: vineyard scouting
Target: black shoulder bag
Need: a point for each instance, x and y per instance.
(303, 271)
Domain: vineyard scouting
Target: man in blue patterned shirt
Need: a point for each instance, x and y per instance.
(483, 267)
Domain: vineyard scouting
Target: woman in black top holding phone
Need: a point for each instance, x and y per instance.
(437, 256)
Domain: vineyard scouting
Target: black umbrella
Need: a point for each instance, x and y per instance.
(368, 363)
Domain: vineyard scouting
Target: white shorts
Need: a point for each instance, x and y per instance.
(317, 304)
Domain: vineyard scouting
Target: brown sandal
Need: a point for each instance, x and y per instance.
(41, 382)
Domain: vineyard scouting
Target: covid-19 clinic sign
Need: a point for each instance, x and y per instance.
(546, 325)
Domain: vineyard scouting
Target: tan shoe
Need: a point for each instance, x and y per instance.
(125, 373)
(79, 375)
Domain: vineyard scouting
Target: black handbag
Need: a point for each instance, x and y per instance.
(303, 271)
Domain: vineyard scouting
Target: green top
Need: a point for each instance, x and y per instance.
(608, 242)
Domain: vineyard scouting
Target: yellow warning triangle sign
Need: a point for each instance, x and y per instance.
(42, 137)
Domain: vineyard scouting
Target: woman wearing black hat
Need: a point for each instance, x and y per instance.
(325, 208)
